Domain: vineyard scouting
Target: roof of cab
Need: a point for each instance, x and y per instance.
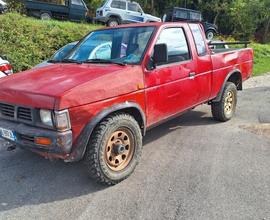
(153, 24)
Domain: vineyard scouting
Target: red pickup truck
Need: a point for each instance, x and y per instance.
(116, 83)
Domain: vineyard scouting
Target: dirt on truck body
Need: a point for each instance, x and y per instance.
(98, 109)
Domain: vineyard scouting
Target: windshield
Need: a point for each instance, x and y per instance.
(122, 45)
(60, 54)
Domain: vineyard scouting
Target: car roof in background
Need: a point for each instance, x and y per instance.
(2, 2)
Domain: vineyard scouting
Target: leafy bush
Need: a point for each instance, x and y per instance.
(15, 6)
(27, 41)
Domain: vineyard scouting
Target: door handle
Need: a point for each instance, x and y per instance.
(192, 75)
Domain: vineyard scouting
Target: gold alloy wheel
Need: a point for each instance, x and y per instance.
(229, 103)
(119, 150)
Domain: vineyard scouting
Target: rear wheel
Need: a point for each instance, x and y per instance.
(210, 35)
(114, 149)
(225, 108)
(113, 22)
(45, 16)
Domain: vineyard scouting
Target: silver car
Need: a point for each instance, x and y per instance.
(115, 12)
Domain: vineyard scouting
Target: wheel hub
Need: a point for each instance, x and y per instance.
(119, 149)
(229, 103)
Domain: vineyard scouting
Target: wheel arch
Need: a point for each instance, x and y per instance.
(211, 29)
(235, 77)
(115, 16)
(131, 108)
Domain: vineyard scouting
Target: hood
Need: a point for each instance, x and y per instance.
(152, 18)
(61, 86)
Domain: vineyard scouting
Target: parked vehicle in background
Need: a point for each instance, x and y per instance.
(59, 55)
(5, 68)
(214, 45)
(97, 106)
(73, 10)
(115, 12)
(183, 14)
(3, 7)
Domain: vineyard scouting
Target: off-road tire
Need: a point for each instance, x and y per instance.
(95, 157)
(112, 22)
(218, 108)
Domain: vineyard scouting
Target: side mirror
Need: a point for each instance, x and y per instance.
(160, 54)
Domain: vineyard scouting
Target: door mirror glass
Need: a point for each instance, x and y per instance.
(160, 54)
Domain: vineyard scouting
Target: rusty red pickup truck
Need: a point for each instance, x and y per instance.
(98, 102)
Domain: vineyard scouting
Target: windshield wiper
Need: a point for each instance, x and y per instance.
(71, 61)
(104, 61)
(54, 61)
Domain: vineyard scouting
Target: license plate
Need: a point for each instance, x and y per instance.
(8, 134)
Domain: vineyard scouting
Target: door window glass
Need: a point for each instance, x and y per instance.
(56, 2)
(198, 38)
(176, 42)
(119, 5)
(134, 7)
(181, 14)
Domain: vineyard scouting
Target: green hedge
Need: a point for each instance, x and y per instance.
(26, 41)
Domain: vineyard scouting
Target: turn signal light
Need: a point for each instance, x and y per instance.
(43, 141)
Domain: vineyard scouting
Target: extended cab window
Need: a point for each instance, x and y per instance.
(119, 5)
(176, 43)
(198, 38)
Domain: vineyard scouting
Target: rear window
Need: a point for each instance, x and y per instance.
(198, 38)
(181, 14)
(119, 5)
(56, 2)
(76, 2)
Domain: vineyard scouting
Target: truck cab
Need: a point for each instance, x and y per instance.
(115, 12)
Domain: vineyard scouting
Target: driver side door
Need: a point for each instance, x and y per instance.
(134, 13)
(170, 87)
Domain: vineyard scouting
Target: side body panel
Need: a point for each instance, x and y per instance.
(227, 62)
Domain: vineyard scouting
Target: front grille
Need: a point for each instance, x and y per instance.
(16, 112)
(24, 114)
(27, 138)
(7, 110)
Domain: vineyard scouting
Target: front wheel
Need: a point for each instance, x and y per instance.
(225, 108)
(113, 22)
(114, 149)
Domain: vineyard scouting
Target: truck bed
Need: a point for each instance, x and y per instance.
(228, 60)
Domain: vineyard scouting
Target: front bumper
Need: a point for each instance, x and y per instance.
(101, 19)
(61, 142)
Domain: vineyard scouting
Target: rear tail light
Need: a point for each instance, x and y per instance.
(6, 68)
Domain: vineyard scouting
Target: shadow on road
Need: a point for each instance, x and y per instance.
(27, 179)
(190, 118)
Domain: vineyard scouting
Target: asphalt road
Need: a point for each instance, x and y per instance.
(192, 168)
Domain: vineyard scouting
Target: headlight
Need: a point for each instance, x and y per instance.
(46, 117)
(58, 119)
(62, 121)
